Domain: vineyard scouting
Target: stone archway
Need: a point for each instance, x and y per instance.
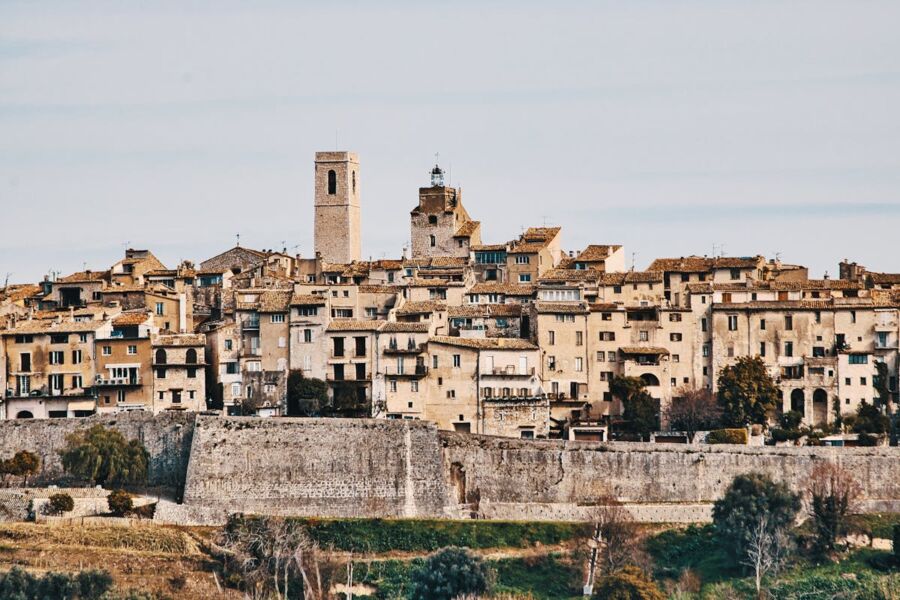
(820, 406)
(798, 401)
(24, 414)
(650, 379)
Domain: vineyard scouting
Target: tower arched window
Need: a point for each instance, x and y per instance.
(432, 219)
(160, 357)
(190, 356)
(332, 183)
(433, 241)
(354, 182)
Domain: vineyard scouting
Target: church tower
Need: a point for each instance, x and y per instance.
(337, 207)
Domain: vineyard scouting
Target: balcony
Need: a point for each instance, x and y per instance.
(413, 372)
(101, 381)
(407, 349)
(347, 378)
(250, 323)
(509, 371)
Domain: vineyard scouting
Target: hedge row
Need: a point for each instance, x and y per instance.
(424, 535)
(727, 436)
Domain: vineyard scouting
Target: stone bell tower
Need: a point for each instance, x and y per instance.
(337, 237)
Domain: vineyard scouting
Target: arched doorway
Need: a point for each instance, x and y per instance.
(24, 414)
(798, 402)
(649, 379)
(820, 406)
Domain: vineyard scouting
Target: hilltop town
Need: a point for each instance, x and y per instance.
(521, 338)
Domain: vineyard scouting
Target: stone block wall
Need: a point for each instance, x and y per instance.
(316, 467)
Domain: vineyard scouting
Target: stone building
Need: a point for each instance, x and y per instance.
(402, 352)
(337, 209)
(308, 351)
(124, 379)
(440, 224)
(535, 252)
(179, 379)
(223, 373)
(351, 355)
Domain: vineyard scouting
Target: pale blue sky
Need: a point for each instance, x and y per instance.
(664, 126)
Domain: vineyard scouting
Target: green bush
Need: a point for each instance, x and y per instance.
(103, 456)
(450, 573)
(896, 542)
(782, 435)
(119, 502)
(727, 436)
(791, 420)
(425, 535)
(17, 584)
(58, 504)
(696, 548)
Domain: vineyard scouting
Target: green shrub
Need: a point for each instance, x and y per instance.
(696, 548)
(727, 436)
(17, 584)
(896, 542)
(791, 420)
(103, 456)
(58, 504)
(450, 573)
(119, 502)
(630, 583)
(783, 435)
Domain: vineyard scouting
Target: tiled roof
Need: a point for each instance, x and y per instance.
(576, 308)
(307, 300)
(643, 350)
(752, 285)
(84, 277)
(47, 326)
(488, 248)
(484, 343)
(354, 325)
(596, 252)
(180, 339)
(885, 278)
(395, 327)
(564, 275)
(419, 282)
(379, 289)
(703, 264)
(16, 293)
(776, 305)
(467, 229)
(449, 261)
(485, 310)
(131, 318)
(540, 233)
(387, 264)
(604, 307)
(421, 307)
(508, 289)
(631, 277)
(275, 301)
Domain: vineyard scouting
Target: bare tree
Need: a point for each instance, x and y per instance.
(833, 494)
(692, 410)
(615, 541)
(767, 550)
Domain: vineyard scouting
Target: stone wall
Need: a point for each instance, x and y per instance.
(316, 467)
(167, 437)
(514, 476)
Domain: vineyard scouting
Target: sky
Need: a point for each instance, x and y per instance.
(673, 128)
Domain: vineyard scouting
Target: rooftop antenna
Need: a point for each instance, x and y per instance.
(6, 281)
(450, 174)
(544, 217)
(633, 255)
(238, 236)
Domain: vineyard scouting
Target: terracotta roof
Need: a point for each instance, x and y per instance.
(131, 318)
(379, 289)
(885, 278)
(604, 307)
(467, 229)
(419, 282)
(508, 289)
(488, 248)
(775, 305)
(643, 350)
(275, 301)
(354, 325)
(449, 261)
(387, 264)
(485, 310)
(421, 307)
(16, 293)
(703, 264)
(484, 343)
(577, 308)
(540, 233)
(179, 339)
(307, 300)
(596, 252)
(84, 277)
(565, 275)
(631, 277)
(395, 327)
(47, 326)
(753, 285)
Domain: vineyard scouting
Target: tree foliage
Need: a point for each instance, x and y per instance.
(629, 583)
(639, 409)
(58, 504)
(18, 584)
(119, 502)
(693, 410)
(450, 573)
(103, 456)
(749, 497)
(746, 392)
(305, 396)
(833, 494)
(870, 420)
(22, 464)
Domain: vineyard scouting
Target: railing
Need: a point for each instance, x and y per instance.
(101, 381)
(510, 371)
(408, 349)
(412, 371)
(347, 378)
(250, 323)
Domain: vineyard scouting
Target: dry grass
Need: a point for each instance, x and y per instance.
(142, 538)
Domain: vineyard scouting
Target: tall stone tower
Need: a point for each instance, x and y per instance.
(440, 225)
(337, 207)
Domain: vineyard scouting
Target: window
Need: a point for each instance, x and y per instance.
(192, 373)
(332, 182)
(434, 362)
(190, 356)
(59, 338)
(106, 350)
(732, 322)
(617, 289)
(433, 240)
(611, 356)
(551, 338)
(83, 337)
(160, 357)
(231, 369)
(414, 386)
(675, 337)
(607, 336)
(160, 373)
(862, 381)
(57, 358)
(56, 382)
(675, 317)
(788, 322)
(551, 363)
(522, 259)
(762, 324)
(601, 356)
(705, 349)
(338, 347)
(24, 339)
(229, 344)
(762, 348)
(76, 381)
(703, 324)
(457, 360)
(451, 393)
(393, 385)
(730, 351)
(858, 359)
(579, 366)
(847, 381)
(818, 316)
(160, 308)
(676, 358)
(432, 219)
(307, 311)
(735, 274)
(76, 357)
(524, 277)
(579, 338)
(818, 351)
(278, 318)
(789, 348)
(235, 389)
(307, 336)
(644, 336)
(853, 316)
(353, 176)
(606, 316)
